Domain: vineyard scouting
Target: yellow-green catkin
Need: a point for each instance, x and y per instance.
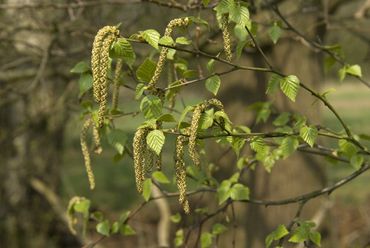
(193, 134)
(214, 102)
(100, 66)
(86, 153)
(178, 22)
(226, 37)
(139, 154)
(72, 220)
(96, 135)
(116, 83)
(181, 173)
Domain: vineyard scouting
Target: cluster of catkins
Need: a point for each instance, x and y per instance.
(100, 67)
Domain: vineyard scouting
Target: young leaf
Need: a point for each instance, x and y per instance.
(127, 230)
(218, 228)
(239, 192)
(275, 32)
(80, 67)
(213, 84)
(176, 218)
(151, 106)
(288, 146)
(356, 161)
(122, 49)
(147, 189)
(354, 70)
(166, 40)
(146, 70)
(308, 134)
(179, 238)
(206, 240)
(160, 177)
(223, 191)
(103, 228)
(183, 41)
(289, 85)
(273, 84)
(152, 37)
(85, 82)
(277, 234)
(117, 138)
(155, 141)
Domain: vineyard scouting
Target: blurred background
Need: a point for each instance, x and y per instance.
(41, 166)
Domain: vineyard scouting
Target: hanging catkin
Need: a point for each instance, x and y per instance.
(226, 37)
(139, 153)
(116, 83)
(181, 172)
(178, 22)
(86, 153)
(100, 66)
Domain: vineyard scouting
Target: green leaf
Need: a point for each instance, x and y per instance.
(147, 189)
(115, 227)
(206, 240)
(347, 148)
(223, 191)
(183, 114)
(273, 84)
(240, 32)
(176, 218)
(288, 146)
(302, 232)
(80, 67)
(139, 91)
(166, 118)
(282, 119)
(309, 134)
(356, 161)
(166, 40)
(290, 85)
(218, 229)
(127, 230)
(275, 32)
(103, 228)
(213, 84)
(85, 82)
(118, 139)
(151, 106)
(223, 7)
(179, 238)
(183, 41)
(82, 206)
(239, 192)
(206, 119)
(155, 141)
(122, 49)
(211, 65)
(277, 234)
(160, 177)
(146, 70)
(354, 70)
(315, 237)
(205, 2)
(152, 37)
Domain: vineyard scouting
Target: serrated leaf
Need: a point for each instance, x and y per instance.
(117, 138)
(147, 189)
(280, 232)
(356, 161)
(273, 84)
(166, 40)
(122, 49)
(151, 107)
(85, 83)
(183, 41)
(223, 191)
(103, 228)
(275, 32)
(176, 218)
(309, 134)
(139, 91)
(127, 230)
(160, 177)
(152, 37)
(347, 148)
(213, 84)
(146, 70)
(206, 240)
(223, 7)
(155, 141)
(218, 229)
(315, 237)
(183, 114)
(206, 119)
(166, 118)
(354, 70)
(288, 146)
(282, 119)
(290, 85)
(239, 192)
(115, 227)
(179, 238)
(80, 67)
